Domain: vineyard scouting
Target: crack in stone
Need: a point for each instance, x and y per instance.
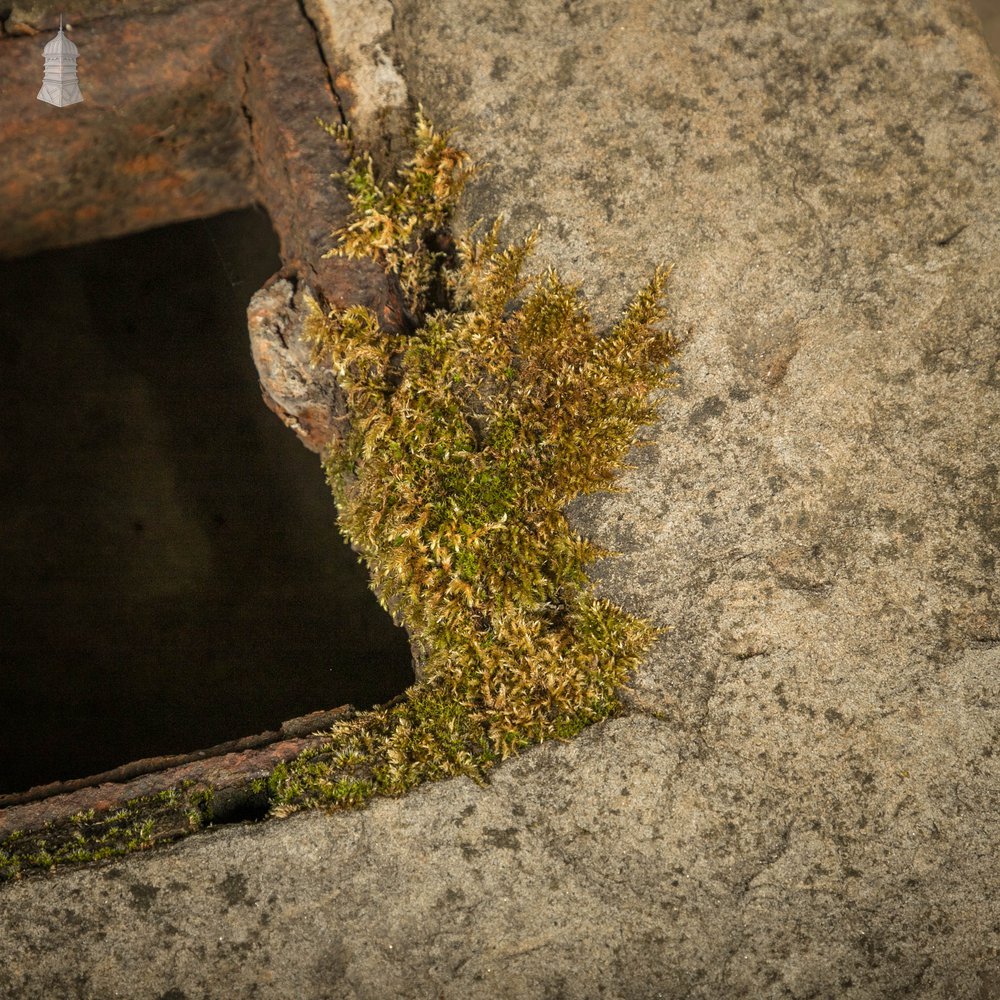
(952, 236)
(317, 38)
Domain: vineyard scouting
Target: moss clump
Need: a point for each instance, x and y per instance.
(399, 224)
(466, 440)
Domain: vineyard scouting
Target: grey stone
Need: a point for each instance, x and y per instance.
(805, 801)
(356, 36)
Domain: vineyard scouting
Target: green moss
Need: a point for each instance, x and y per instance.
(393, 221)
(91, 836)
(466, 441)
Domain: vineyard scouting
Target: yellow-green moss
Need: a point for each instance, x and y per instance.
(394, 222)
(466, 441)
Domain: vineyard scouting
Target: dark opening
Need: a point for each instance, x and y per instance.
(172, 575)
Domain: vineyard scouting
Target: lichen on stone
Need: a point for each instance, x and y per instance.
(465, 442)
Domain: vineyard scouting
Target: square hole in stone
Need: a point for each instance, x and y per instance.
(172, 572)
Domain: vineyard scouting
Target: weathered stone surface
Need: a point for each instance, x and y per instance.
(815, 517)
(356, 37)
(628, 860)
(805, 802)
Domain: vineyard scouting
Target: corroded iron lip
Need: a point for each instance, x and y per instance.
(252, 78)
(223, 767)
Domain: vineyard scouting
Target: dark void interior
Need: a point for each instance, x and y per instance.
(172, 574)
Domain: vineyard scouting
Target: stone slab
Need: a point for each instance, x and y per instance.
(631, 863)
(815, 517)
(805, 801)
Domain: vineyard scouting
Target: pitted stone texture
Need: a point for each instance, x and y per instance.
(816, 512)
(630, 864)
(813, 796)
(815, 515)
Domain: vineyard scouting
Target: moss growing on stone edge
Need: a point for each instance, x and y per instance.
(466, 440)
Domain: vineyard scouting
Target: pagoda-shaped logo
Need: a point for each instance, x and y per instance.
(60, 85)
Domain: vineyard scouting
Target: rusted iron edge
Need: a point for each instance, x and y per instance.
(221, 768)
(287, 90)
(302, 726)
